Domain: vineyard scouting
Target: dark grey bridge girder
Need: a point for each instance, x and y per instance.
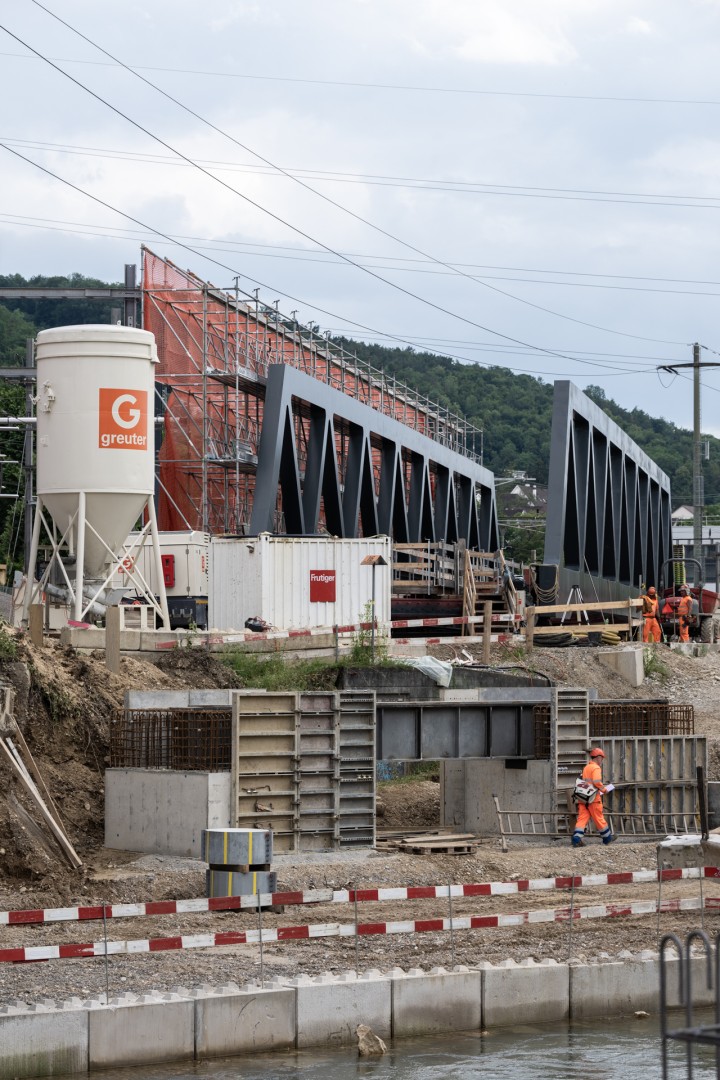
(430, 730)
(461, 506)
(608, 517)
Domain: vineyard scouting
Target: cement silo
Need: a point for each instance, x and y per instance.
(95, 449)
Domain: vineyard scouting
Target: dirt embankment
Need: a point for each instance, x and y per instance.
(64, 704)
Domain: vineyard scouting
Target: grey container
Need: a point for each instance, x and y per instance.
(230, 883)
(237, 847)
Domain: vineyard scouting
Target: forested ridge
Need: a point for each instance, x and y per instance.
(513, 411)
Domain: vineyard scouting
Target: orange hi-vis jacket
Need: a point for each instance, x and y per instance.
(684, 608)
(651, 607)
(593, 773)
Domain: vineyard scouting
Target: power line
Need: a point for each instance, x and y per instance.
(270, 213)
(394, 86)
(230, 246)
(326, 198)
(412, 183)
(264, 285)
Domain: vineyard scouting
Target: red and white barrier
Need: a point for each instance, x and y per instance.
(200, 905)
(504, 619)
(31, 954)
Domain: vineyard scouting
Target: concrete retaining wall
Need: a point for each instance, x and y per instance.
(54, 1039)
(160, 810)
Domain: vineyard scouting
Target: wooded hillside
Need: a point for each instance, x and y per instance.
(513, 411)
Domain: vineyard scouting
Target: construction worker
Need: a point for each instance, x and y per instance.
(592, 774)
(652, 631)
(684, 611)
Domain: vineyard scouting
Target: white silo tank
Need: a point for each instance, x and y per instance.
(95, 437)
(95, 430)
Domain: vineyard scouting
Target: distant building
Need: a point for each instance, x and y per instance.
(682, 514)
(535, 497)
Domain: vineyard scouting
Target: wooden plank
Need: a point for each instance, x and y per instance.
(26, 780)
(582, 631)
(603, 605)
(34, 771)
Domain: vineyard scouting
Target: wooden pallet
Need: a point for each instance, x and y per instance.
(426, 844)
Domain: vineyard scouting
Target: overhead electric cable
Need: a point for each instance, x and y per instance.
(276, 217)
(412, 183)
(289, 296)
(393, 86)
(308, 187)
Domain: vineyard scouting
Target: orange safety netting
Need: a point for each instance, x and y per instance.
(212, 347)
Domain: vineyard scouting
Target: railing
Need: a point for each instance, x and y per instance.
(548, 823)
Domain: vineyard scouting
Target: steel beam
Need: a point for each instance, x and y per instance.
(393, 479)
(608, 516)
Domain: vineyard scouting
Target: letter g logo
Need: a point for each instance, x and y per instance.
(131, 418)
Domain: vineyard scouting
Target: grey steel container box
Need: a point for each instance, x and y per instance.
(230, 883)
(237, 847)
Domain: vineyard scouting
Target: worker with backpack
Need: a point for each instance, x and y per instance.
(588, 793)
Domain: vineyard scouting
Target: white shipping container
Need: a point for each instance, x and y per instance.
(189, 567)
(296, 583)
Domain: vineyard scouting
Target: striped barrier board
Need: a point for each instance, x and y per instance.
(342, 631)
(34, 953)
(345, 896)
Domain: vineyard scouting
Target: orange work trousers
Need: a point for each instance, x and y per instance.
(684, 628)
(594, 811)
(651, 630)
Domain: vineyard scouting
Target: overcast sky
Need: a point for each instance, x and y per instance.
(563, 156)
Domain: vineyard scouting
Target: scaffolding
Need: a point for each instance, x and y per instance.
(216, 348)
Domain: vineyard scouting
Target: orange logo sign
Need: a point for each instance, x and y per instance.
(123, 419)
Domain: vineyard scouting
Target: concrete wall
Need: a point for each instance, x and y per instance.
(468, 785)
(163, 812)
(57, 1038)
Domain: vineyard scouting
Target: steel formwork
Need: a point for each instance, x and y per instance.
(216, 352)
(608, 519)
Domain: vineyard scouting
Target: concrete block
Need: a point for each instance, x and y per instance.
(235, 883)
(615, 989)
(157, 699)
(531, 994)
(164, 812)
(47, 1044)
(680, 851)
(141, 1034)
(210, 699)
(328, 1014)
(245, 1023)
(425, 1004)
(627, 663)
(237, 847)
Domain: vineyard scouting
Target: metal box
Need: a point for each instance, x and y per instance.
(229, 883)
(297, 583)
(237, 847)
(189, 566)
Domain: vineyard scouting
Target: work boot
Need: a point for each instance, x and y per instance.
(578, 843)
(610, 839)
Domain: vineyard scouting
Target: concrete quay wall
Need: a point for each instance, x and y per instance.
(56, 1038)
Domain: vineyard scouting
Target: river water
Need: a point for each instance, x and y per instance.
(617, 1050)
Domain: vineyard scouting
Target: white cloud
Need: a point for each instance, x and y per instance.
(635, 25)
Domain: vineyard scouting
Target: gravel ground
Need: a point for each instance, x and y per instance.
(155, 878)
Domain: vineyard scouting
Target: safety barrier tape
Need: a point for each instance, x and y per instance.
(34, 953)
(342, 896)
(351, 628)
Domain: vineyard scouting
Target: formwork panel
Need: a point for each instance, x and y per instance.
(660, 773)
(293, 758)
